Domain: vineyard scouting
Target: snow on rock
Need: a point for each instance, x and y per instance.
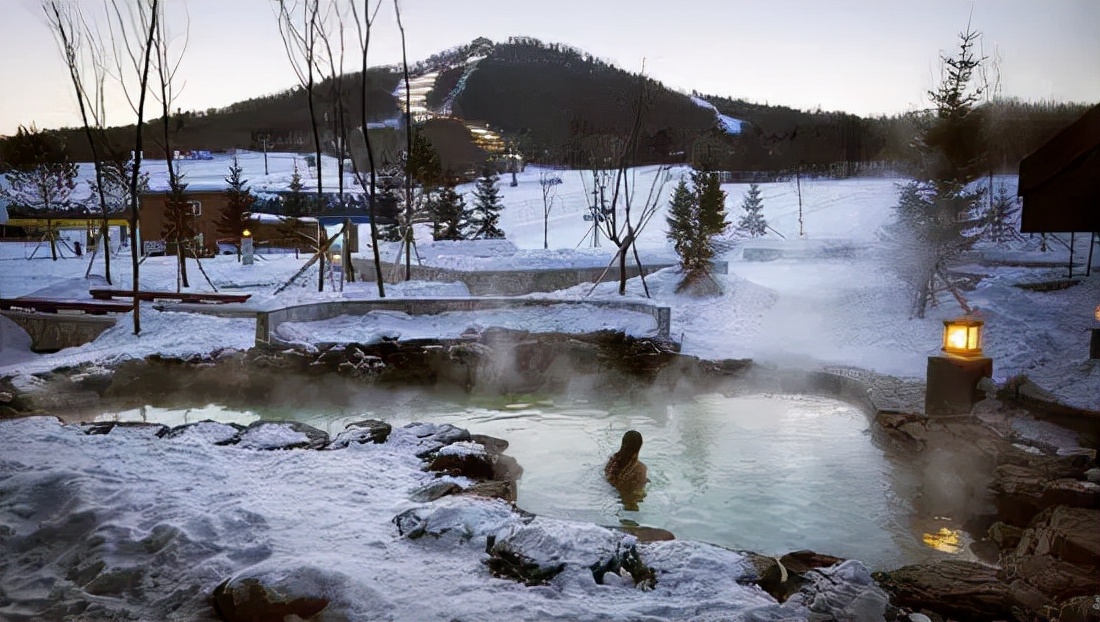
(212, 432)
(282, 435)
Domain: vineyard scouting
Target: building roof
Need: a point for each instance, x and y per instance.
(1060, 181)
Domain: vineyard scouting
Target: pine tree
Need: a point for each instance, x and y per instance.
(691, 231)
(450, 214)
(681, 222)
(712, 202)
(1001, 216)
(938, 213)
(179, 223)
(753, 223)
(238, 202)
(40, 176)
(485, 215)
(295, 205)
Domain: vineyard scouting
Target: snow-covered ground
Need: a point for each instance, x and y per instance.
(148, 526)
(829, 300)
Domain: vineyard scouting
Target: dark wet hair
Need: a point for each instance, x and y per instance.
(632, 444)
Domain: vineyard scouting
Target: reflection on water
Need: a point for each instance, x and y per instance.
(771, 474)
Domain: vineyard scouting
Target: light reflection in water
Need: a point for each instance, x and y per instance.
(770, 474)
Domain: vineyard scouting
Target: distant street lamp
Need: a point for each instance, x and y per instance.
(246, 247)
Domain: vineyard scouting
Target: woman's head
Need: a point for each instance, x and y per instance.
(632, 443)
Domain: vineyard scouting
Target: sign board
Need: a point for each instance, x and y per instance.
(153, 247)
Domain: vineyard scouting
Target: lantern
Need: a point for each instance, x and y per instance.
(1097, 314)
(246, 233)
(963, 337)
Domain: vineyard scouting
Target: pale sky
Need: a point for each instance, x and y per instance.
(862, 56)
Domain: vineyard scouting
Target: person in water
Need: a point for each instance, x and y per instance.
(626, 473)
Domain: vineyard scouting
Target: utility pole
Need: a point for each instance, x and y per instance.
(264, 139)
(798, 185)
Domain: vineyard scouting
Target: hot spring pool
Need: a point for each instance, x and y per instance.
(767, 473)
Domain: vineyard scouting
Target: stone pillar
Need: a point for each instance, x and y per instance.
(953, 384)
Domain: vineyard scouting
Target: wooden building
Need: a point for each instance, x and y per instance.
(1060, 184)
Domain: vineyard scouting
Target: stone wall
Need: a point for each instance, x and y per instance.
(268, 321)
(53, 331)
(515, 282)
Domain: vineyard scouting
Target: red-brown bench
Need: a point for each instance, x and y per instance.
(207, 297)
(50, 305)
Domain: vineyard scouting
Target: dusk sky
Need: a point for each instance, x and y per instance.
(862, 56)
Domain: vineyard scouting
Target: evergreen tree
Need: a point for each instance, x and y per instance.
(179, 223)
(238, 202)
(295, 205)
(681, 222)
(712, 202)
(40, 176)
(485, 214)
(1001, 217)
(450, 215)
(752, 222)
(691, 231)
(938, 213)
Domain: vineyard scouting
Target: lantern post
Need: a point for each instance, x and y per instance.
(247, 249)
(953, 377)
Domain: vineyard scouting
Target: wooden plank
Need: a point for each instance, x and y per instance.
(211, 297)
(48, 305)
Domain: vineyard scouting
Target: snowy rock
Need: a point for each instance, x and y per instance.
(359, 432)
(845, 591)
(427, 438)
(457, 518)
(537, 551)
(130, 428)
(468, 459)
(207, 431)
(269, 435)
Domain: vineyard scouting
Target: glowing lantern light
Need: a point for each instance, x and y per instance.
(246, 233)
(963, 337)
(1097, 314)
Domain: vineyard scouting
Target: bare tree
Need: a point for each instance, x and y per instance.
(133, 29)
(179, 215)
(300, 28)
(548, 182)
(620, 222)
(332, 27)
(407, 230)
(77, 43)
(362, 27)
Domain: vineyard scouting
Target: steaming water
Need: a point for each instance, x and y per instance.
(765, 473)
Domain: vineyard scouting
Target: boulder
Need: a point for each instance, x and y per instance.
(963, 590)
(359, 432)
(213, 432)
(475, 461)
(138, 428)
(273, 435)
(1059, 555)
(430, 437)
(267, 599)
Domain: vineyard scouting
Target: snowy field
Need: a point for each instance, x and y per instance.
(168, 519)
(829, 300)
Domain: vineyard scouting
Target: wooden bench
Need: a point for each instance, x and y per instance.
(207, 297)
(50, 305)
